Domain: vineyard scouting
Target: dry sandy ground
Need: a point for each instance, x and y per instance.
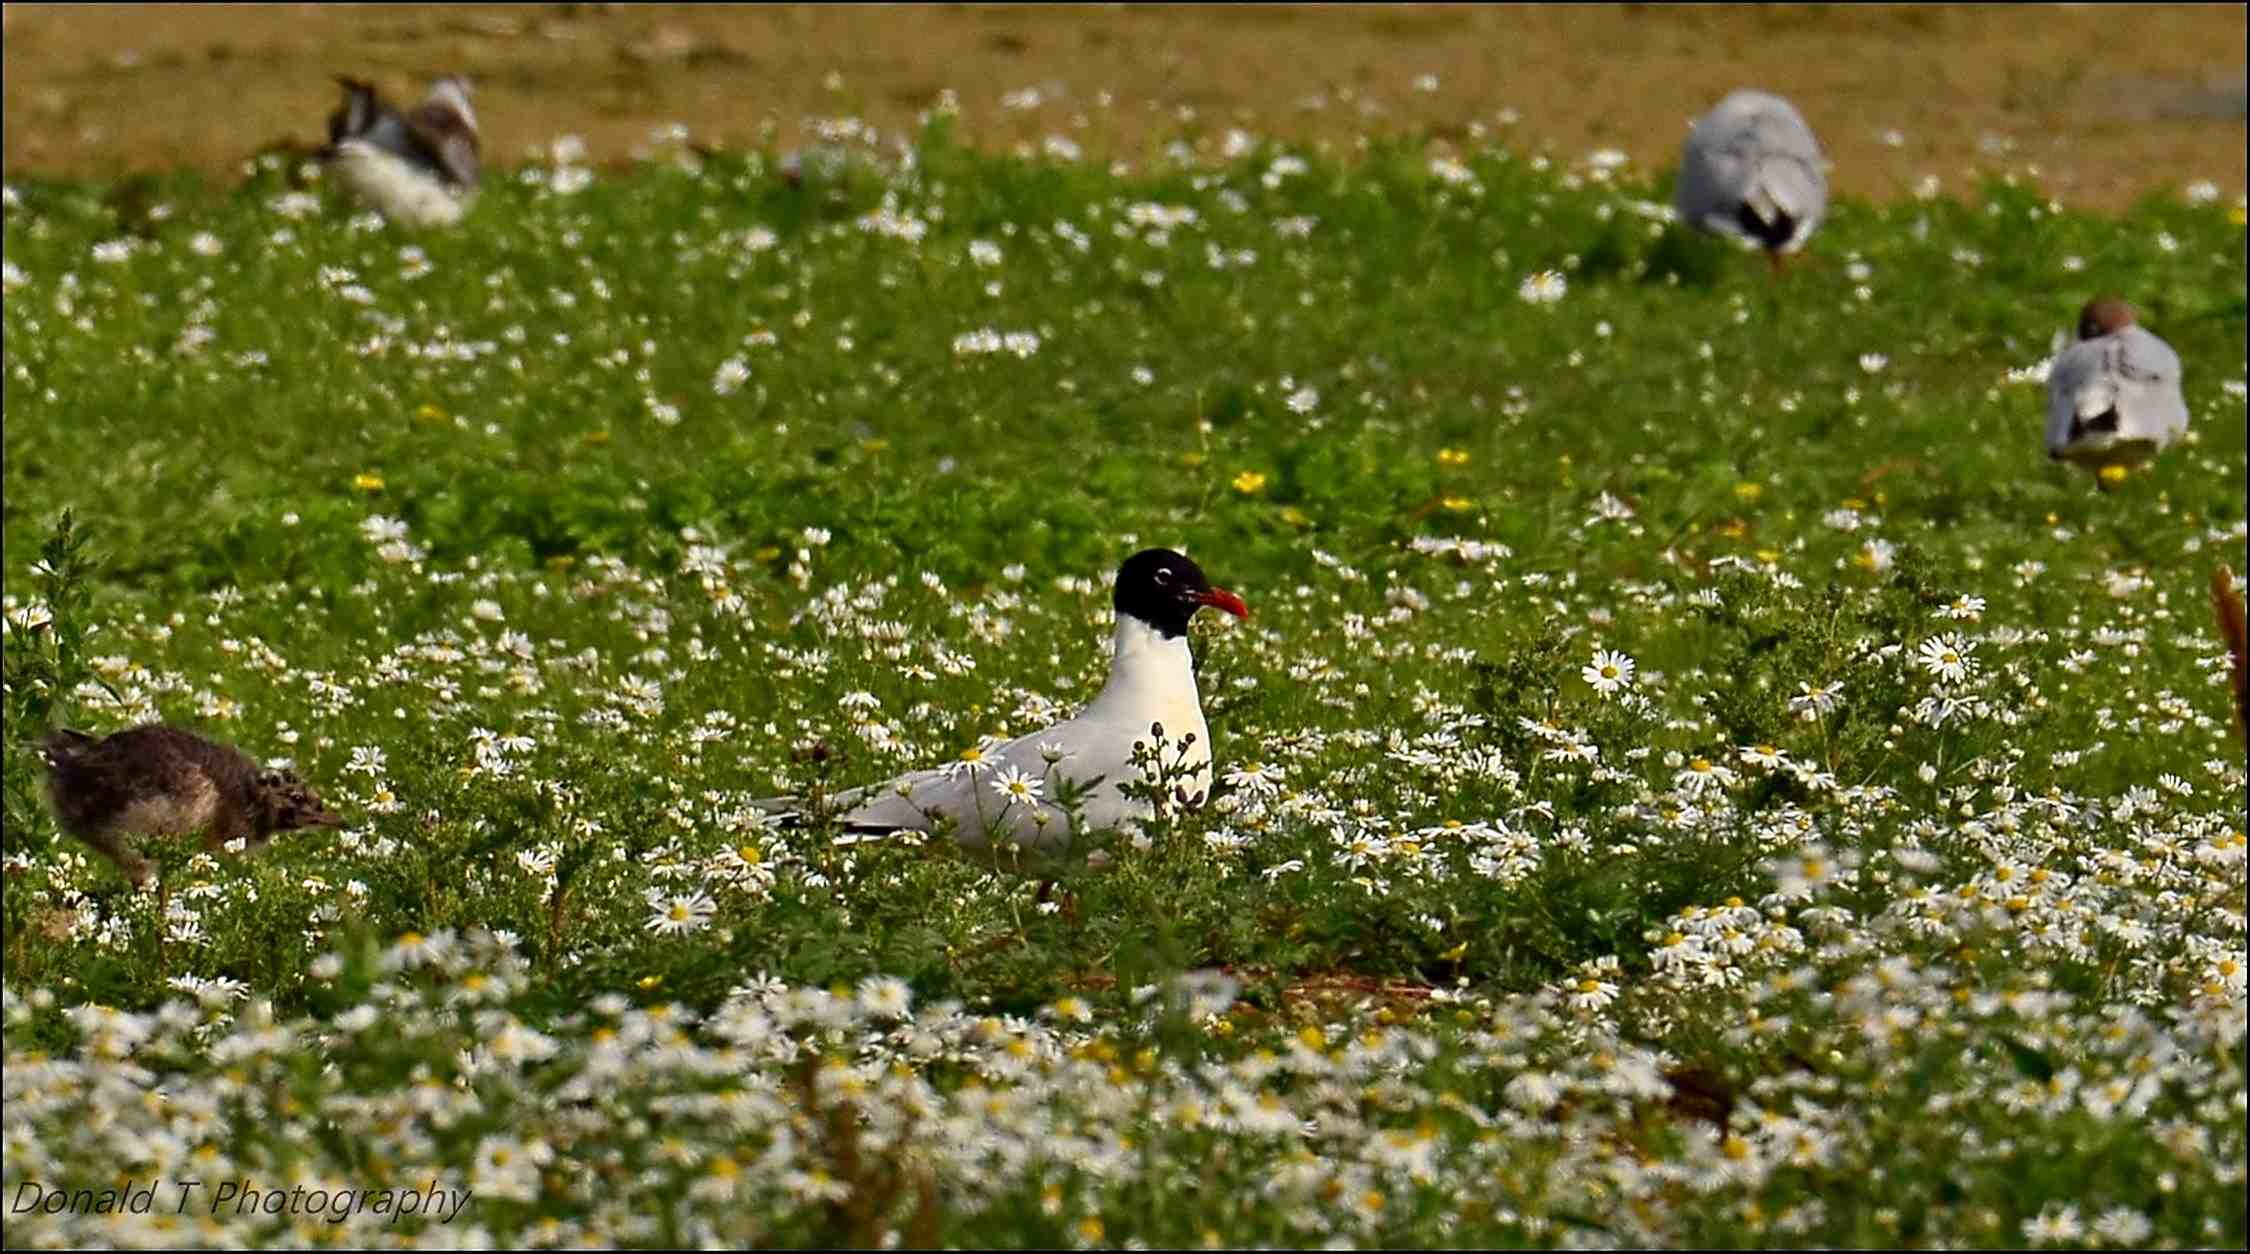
(2107, 102)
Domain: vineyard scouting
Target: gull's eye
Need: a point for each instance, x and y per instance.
(1163, 577)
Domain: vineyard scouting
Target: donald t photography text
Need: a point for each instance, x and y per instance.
(222, 1198)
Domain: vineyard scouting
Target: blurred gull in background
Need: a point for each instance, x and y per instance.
(2113, 398)
(419, 168)
(1752, 169)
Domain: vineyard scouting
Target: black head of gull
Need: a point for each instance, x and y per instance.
(1164, 589)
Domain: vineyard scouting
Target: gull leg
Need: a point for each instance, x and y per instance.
(1774, 263)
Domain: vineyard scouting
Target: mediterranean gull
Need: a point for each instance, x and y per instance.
(1039, 791)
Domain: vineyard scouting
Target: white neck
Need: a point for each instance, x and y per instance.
(1148, 673)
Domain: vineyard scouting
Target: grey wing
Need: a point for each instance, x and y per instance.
(388, 131)
(973, 803)
(2078, 386)
(883, 807)
(792, 808)
(910, 801)
(2147, 385)
(1790, 167)
(1713, 176)
(966, 803)
(969, 802)
(1750, 139)
(449, 140)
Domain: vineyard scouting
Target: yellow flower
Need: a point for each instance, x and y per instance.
(1458, 504)
(1733, 529)
(1749, 491)
(972, 754)
(1453, 457)
(1249, 482)
(2113, 474)
(366, 482)
(2236, 214)
(1295, 517)
(767, 553)
(750, 854)
(874, 446)
(1090, 1230)
(429, 413)
(650, 981)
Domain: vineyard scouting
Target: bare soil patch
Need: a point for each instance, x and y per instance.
(2107, 102)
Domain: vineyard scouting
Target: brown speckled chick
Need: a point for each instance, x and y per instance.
(163, 781)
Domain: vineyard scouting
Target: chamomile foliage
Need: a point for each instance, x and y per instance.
(1695, 775)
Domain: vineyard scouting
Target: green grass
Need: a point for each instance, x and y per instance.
(468, 527)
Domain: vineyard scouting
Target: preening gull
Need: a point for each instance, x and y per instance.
(2113, 398)
(1752, 169)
